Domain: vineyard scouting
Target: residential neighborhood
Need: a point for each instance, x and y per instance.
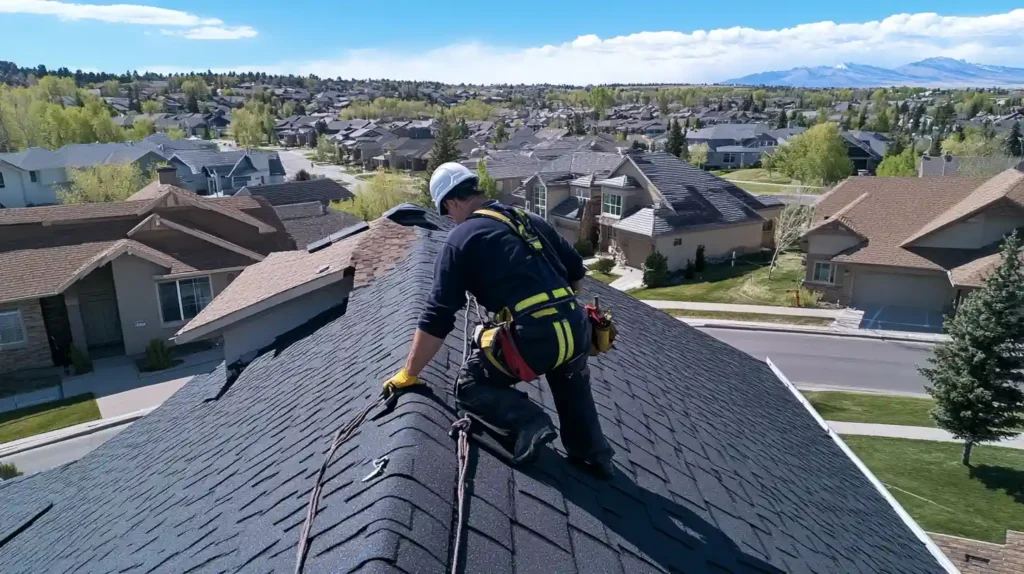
(787, 317)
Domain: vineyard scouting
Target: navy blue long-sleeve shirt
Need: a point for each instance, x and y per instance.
(486, 258)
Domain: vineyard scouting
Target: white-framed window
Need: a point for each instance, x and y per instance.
(728, 157)
(1, 180)
(240, 180)
(540, 201)
(824, 272)
(183, 299)
(12, 330)
(33, 176)
(611, 204)
(678, 241)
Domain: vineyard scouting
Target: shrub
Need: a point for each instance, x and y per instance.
(690, 270)
(603, 265)
(584, 248)
(8, 471)
(701, 262)
(655, 270)
(158, 356)
(809, 298)
(81, 363)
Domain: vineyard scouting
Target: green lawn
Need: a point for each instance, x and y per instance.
(757, 175)
(747, 283)
(866, 408)
(605, 278)
(756, 317)
(46, 417)
(944, 496)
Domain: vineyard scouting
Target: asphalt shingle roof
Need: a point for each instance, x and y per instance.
(720, 467)
(310, 222)
(322, 189)
(584, 163)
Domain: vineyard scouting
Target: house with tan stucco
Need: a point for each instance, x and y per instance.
(109, 278)
(914, 242)
(658, 202)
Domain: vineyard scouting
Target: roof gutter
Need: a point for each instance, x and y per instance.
(941, 558)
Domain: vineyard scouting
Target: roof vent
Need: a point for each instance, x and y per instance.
(411, 215)
(323, 269)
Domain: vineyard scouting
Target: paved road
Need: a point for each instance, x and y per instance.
(47, 457)
(294, 161)
(828, 361)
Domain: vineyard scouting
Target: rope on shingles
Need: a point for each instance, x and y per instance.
(461, 427)
(343, 435)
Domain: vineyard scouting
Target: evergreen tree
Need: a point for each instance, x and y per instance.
(1013, 146)
(862, 117)
(976, 377)
(935, 150)
(783, 121)
(500, 134)
(193, 104)
(674, 143)
(684, 152)
(444, 149)
(206, 132)
(697, 123)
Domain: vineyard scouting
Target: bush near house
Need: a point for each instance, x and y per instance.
(584, 248)
(603, 265)
(8, 471)
(656, 270)
(81, 363)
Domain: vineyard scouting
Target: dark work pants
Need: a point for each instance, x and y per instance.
(491, 396)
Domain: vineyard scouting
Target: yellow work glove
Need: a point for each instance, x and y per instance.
(401, 380)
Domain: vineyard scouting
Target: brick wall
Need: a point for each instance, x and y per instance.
(976, 557)
(35, 353)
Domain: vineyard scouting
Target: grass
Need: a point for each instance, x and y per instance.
(46, 417)
(944, 496)
(871, 408)
(749, 180)
(605, 278)
(866, 408)
(366, 176)
(755, 317)
(747, 283)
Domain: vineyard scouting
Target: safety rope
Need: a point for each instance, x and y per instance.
(461, 427)
(345, 433)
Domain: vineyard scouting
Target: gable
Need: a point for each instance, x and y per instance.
(988, 226)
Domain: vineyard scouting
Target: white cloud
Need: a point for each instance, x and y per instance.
(697, 56)
(202, 28)
(214, 33)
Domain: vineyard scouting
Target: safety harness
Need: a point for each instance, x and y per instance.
(497, 335)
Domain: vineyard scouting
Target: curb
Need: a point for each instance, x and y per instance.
(783, 328)
(60, 435)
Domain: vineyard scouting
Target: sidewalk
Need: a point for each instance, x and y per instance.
(60, 435)
(758, 309)
(906, 336)
(916, 433)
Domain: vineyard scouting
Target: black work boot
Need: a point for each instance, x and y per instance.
(603, 469)
(531, 438)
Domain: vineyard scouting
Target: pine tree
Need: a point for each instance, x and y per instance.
(697, 123)
(976, 376)
(500, 134)
(444, 149)
(1013, 146)
(684, 152)
(674, 143)
(935, 150)
(193, 104)
(862, 117)
(783, 121)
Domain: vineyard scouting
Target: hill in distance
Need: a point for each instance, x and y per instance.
(930, 73)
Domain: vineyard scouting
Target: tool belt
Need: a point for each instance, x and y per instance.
(603, 332)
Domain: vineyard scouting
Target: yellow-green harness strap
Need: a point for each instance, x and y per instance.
(517, 227)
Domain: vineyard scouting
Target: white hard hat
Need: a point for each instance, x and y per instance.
(444, 179)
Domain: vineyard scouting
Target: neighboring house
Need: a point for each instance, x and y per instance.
(110, 277)
(916, 242)
(862, 154)
(657, 202)
(877, 141)
(733, 145)
(509, 171)
(310, 222)
(405, 153)
(322, 190)
(30, 177)
(721, 466)
(225, 172)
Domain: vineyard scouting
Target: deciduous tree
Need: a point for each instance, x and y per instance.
(976, 376)
(903, 164)
(487, 184)
(103, 183)
(790, 225)
(816, 157)
(699, 154)
(385, 190)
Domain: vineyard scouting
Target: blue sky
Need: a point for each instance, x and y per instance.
(515, 41)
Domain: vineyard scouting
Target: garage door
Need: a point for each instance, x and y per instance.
(887, 289)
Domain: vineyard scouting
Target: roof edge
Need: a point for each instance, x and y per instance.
(941, 558)
(207, 238)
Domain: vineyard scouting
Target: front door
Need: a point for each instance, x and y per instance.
(97, 301)
(58, 328)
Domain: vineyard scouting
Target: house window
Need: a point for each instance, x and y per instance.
(612, 205)
(677, 242)
(728, 158)
(33, 176)
(12, 331)
(768, 225)
(540, 201)
(581, 192)
(824, 272)
(183, 299)
(1, 180)
(239, 180)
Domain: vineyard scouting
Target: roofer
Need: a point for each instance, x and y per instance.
(519, 268)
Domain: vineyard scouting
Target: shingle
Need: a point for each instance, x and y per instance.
(322, 189)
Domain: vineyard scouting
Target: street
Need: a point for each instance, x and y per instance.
(827, 361)
(54, 455)
(294, 161)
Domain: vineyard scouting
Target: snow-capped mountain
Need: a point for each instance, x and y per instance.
(931, 72)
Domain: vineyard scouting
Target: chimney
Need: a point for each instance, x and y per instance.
(167, 175)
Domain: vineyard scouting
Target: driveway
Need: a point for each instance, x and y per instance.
(896, 318)
(294, 161)
(120, 388)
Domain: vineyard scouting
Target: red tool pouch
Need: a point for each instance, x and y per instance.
(513, 358)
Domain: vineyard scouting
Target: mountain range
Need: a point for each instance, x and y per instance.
(931, 73)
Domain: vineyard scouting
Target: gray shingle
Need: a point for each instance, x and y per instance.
(322, 189)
